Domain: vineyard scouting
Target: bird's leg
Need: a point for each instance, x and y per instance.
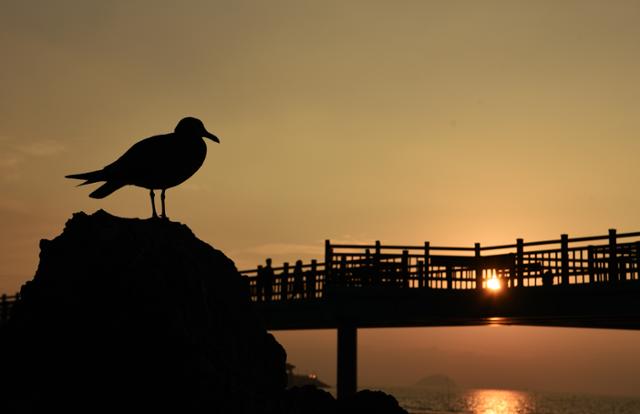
(153, 204)
(163, 215)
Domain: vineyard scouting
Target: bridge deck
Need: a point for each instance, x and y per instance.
(616, 306)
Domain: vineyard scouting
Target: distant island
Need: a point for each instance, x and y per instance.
(436, 381)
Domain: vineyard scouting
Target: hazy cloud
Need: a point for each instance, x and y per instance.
(9, 161)
(9, 205)
(349, 239)
(302, 249)
(43, 148)
(250, 256)
(14, 154)
(280, 249)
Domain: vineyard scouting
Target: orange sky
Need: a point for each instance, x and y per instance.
(404, 121)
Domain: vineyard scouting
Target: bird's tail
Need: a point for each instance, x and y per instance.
(90, 177)
(106, 189)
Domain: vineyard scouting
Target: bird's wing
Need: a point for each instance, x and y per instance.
(139, 159)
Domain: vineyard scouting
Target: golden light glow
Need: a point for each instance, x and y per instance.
(493, 283)
(499, 402)
(496, 321)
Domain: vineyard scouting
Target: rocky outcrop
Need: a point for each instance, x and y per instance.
(127, 314)
(307, 399)
(371, 402)
(311, 400)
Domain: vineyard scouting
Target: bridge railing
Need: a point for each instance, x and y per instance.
(6, 304)
(301, 281)
(565, 261)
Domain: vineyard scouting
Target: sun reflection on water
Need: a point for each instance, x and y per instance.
(498, 402)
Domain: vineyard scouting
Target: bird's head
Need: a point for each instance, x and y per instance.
(194, 127)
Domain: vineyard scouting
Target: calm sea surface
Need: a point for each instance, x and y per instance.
(425, 401)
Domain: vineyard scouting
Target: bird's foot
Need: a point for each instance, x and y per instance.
(164, 217)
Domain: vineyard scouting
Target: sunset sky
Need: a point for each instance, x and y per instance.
(404, 121)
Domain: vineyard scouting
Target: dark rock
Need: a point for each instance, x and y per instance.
(307, 400)
(371, 402)
(128, 315)
(136, 315)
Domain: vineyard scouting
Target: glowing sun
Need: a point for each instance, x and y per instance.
(493, 283)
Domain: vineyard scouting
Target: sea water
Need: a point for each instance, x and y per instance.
(486, 401)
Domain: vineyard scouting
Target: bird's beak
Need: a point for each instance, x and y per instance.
(211, 136)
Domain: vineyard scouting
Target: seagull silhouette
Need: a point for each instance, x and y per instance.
(155, 163)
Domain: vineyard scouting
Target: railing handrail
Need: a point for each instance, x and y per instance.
(378, 248)
(399, 247)
(482, 248)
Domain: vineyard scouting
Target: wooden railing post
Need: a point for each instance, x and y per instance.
(328, 263)
(591, 265)
(405, 268)
(4, 309)
(614, 276)
(284, 281)
(427, 253)
(269, 280)
(259, 284)
(520, 262)
(449, 276)
(637, 276)
(420, 273)
(366, 277)
(478, 267)
(312, 277)
(377, 268)
(298, 281)
(344, 281)
(564, 258)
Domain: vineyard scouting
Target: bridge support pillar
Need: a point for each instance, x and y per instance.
(347, 361)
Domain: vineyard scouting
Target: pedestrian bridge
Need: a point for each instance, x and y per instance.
(589, 282)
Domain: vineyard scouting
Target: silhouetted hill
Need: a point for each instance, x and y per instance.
(129, 315)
